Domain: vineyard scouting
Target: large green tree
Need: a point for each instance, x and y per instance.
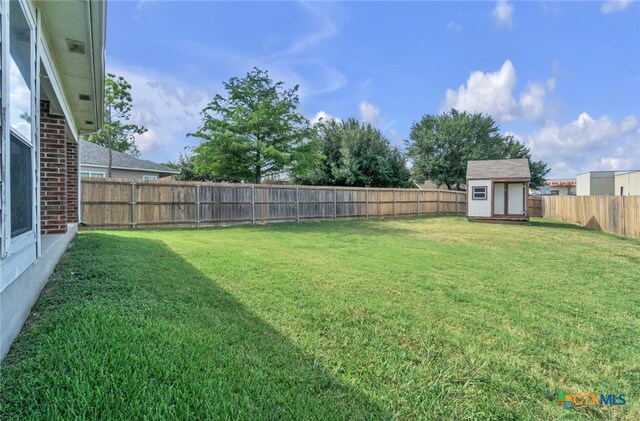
(118, 132)
(441, 145)
(187, 169)
(357, 154)
(255, 131)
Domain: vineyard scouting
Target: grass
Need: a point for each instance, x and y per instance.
(432, 318)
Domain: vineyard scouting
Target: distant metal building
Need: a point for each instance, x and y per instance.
(559, 187)
(596, 183)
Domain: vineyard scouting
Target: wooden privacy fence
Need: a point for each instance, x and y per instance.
(121, 204)
(535, 206)
(615, 214)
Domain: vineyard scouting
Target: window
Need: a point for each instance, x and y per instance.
(20, 120)
(21, 187)
(555, 192)
(87, 174)
(149, 177)
(479, 193)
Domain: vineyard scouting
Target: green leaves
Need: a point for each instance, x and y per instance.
(117, 132)
(440, 147)
(357, 154)
(255, 131)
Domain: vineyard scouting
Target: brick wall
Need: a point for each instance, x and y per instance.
(72, 182)
(53, 172)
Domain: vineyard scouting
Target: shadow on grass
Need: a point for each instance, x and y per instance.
(365, 227)
(588, 229)
(560, 225)
(130, 329)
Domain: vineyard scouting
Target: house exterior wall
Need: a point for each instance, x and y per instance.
(561, 190)
(118, 173)
(479, 208)
(73, 182)
(629, 182)
(53, 172)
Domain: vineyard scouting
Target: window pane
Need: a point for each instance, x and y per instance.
(21, 187)
(19, 72)
(479, 193)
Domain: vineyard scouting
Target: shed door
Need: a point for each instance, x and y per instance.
(498, 199)
(516, 198)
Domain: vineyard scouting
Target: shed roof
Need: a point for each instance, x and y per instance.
(498, 168)
(93, 154)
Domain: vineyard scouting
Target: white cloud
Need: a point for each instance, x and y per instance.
(322, 116)
(149, 141)
(395, 136)
(613, 6)
(587, 144)
(369, 112)
(301, 62)
(532, 100)
(168, 108)
(503, 14)
(493, 93)
(453, 26)
(326, 28)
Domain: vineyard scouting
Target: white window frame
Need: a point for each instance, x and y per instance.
(484, 192)
(10, 246)
(149, 177)
(92, 174)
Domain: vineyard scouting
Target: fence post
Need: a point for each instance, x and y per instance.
(394, 203)
(417, 202)
(253, 204)
(198, 217)
(457, 196)
(335, 205)
(437, 202)
(366, 199)
(133, 204)
(297, 204)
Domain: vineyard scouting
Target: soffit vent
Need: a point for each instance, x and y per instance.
(84, 97)
(89, 122)
(76, 46)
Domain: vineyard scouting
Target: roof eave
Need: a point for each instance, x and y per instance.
(98, 18)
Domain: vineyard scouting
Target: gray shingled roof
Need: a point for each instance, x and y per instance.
(498, 168)
(94, 154)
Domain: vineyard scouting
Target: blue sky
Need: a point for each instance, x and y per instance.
(564, 77)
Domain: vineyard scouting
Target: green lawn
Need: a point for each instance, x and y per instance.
(433, 318)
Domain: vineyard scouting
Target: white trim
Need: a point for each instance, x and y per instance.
(54, 78)
(4, 144)
(483, 193)
(16, 244)
(37, 206)
(149, 177)
(89, 174)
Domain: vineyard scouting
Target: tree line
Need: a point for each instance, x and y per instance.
(254, 133)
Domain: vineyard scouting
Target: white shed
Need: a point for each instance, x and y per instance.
(498, 190)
